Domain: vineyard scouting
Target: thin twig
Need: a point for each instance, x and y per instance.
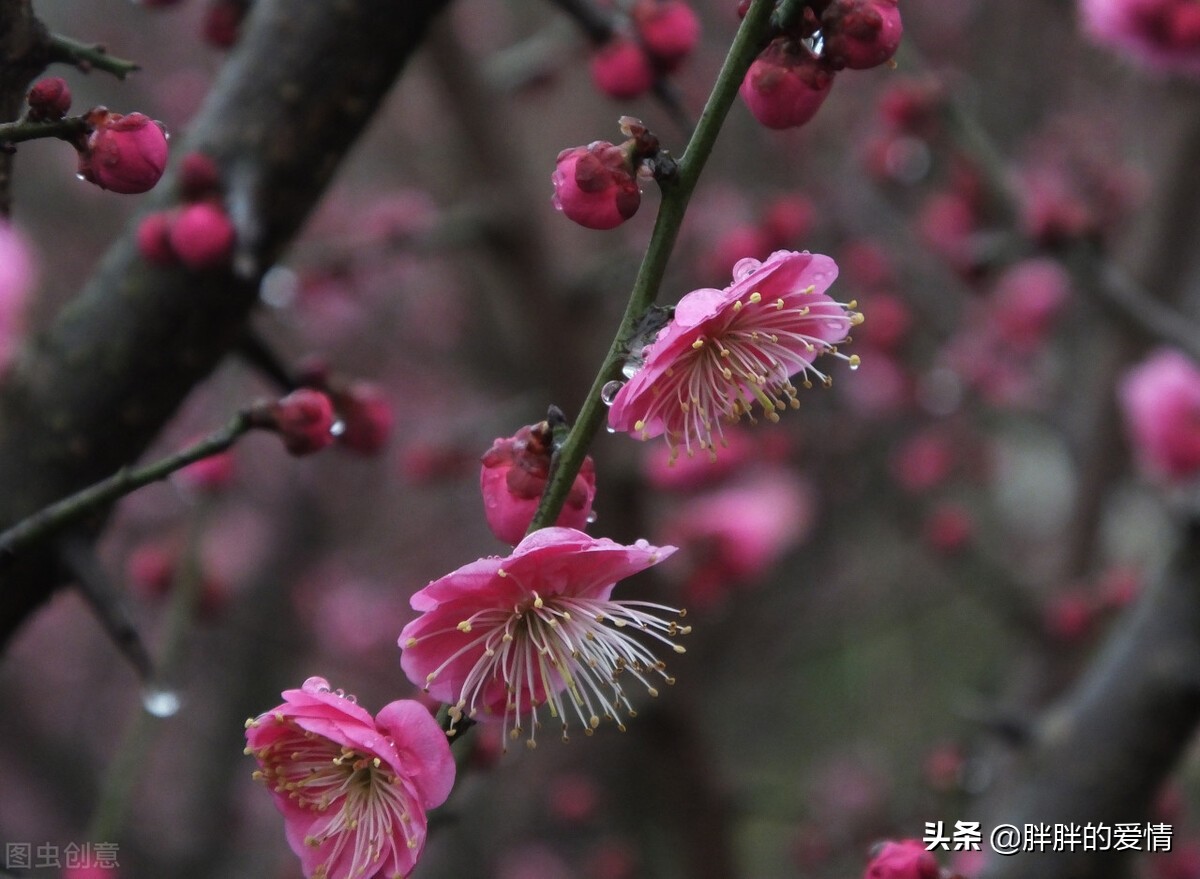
(54, 518)
(68, 129)
(86, 56)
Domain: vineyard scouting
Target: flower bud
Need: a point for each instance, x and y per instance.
(153, 239)
(202, 236)
(1160, 400)
(124, 153)
(861, 34)
(223, 22)
(596, 186)
(668, 29)
(304, 420)
(786, 84)
(513, 478)
(50, 98)
(621, 69)
(905, 859)
(367, 416)
(199, 177)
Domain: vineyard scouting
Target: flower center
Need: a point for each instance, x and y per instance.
(567, 653)
(357, 800)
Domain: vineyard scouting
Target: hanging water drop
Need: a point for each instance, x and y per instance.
(160, 702)
(609, 392)
(337, 428)
(854, 362)
(591, 518)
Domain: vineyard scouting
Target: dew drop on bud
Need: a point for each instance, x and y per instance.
(80, 177)
(337, 428)
(609, 392)
(591, 518)
(160, 702)
(610, 429)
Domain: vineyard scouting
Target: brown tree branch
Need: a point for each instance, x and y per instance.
(94, 389)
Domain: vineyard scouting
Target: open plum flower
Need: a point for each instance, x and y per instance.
(501, 637)
(726, 349)
(353, 789)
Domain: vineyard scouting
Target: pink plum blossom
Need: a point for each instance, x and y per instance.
(595, 185)
(1163, 35)
(124, 153)
(353, 788)
(1027, 300)
(735, 535)
(501, 637)
(513, 479)
(786, 85)
(1161, 402)
(903, 859)
(726, 349)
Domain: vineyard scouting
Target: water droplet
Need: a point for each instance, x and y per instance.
(631, 368)
(337, 428)
(79, 176)
(610, 429)
(591, 518)
(279, 287)
(161, 702)
(609, 392)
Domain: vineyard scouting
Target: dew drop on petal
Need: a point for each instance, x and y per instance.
(609, 392)
(591, 518)
(161, 702)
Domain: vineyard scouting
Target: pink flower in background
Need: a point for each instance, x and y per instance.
(622, 69)
(202, 235)
(124, 153)
(904, 859)
(18, 275)
(596, 186)
(1160, 398)
(1027, 300)
(668, 29)
(1163, 35)
(513, 478)
(666, 471)
(726, 349)
(501, 637)
(353, 789)
(786, 85)
(737, 534)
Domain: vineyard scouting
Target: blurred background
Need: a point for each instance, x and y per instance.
(885, 588)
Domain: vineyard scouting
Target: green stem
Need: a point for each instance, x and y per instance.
(748, 42)
(54, 518)
(68, 129)
(88, 56)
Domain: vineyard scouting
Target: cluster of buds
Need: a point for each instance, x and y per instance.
(363, 411)
(597, 185)
(660, 36)
(789, 81)
(198, 234)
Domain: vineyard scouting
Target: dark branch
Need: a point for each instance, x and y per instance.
(96, 387)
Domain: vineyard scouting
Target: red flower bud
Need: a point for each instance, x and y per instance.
(124, 153)
(49, 98)
(202, 236)
(367, 416)
(621, 69)
(153, 239)
(304, 420)
(513, 478)
(669, 29)
(595, 185)
(860, 34)
(786, 85)
(223, 22)
(199, 177)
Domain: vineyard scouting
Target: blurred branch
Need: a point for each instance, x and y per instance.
(88, 56)
(22, 57)
(91, 393)
(1102, 754)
